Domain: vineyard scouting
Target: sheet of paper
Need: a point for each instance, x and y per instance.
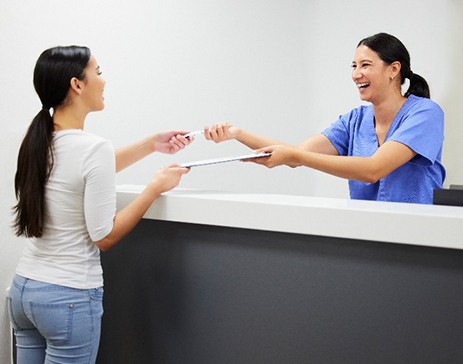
(224, 160)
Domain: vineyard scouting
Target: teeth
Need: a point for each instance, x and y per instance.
(360, 85)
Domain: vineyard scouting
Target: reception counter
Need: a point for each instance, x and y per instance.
(211, 277)
(427, 225)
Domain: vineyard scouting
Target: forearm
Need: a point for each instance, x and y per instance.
(390, 156)
(363, 169)
(256, 141)
(127, 218)
(126, 156)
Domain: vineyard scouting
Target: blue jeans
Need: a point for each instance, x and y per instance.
(55, 324)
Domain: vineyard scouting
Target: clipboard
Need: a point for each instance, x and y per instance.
(207, 162)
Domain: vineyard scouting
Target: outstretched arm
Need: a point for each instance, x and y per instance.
(318, 144)
(390, 156)
(224, 131)
(126, 219)
(167, 142)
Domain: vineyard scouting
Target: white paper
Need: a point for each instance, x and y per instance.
(224, 159)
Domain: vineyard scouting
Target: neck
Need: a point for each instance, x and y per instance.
(386, 111)
(68, 118)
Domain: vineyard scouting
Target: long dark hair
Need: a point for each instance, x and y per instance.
(390, 49)
(52, 76)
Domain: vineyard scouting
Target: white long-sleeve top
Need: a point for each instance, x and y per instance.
(80, 209)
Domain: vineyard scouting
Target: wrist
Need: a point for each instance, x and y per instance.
(238, 134)
(151, 142)
(153, 190)
(296, 157)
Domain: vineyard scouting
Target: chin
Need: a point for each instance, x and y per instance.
(364, 98)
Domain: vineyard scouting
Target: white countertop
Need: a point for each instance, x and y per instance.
(427, 225)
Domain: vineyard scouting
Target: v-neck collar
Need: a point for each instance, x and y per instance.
(397, 116)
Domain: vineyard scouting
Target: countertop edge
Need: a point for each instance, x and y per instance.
(424, 225)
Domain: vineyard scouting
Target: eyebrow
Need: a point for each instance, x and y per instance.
(363, 60)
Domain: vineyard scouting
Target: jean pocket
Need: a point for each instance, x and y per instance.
(54, 321)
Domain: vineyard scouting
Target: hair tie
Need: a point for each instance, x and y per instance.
(410, 74)
(45, 108)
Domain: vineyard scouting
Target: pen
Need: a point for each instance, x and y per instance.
(194, 133)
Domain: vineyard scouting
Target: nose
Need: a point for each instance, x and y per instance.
(356, 74)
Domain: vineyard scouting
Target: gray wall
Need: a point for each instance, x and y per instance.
(279, 67)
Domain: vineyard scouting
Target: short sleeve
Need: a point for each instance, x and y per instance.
(100, 190)
(422, 129)
(342, 131)
(338, 134)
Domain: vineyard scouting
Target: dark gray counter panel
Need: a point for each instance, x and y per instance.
(185, 293)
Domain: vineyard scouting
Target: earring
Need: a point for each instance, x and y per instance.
(392, 78)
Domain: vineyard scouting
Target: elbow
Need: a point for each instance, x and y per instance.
(108, 241)
(371, 170)
(104, 244)
(369, 179)
(372, 176)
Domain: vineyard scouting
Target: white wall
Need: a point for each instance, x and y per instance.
(277, 67)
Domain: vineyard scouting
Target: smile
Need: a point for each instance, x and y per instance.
(363, 85)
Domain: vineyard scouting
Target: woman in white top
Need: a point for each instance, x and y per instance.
(66, 206)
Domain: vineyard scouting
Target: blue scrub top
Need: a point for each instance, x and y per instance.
(419, 124)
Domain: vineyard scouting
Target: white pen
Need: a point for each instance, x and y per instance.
(194, 133)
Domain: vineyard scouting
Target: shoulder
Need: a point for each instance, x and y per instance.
(356, 116)
(417, 103)
(351, 120)
(358, 112)
(80, 139)
(77, 145)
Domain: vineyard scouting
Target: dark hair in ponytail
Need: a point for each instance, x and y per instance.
(52, 76)
(390, 49)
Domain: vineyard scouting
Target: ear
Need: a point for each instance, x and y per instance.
(395, 69)
(76, 85)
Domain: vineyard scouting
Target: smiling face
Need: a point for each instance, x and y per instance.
(93, 86)
(371, 75)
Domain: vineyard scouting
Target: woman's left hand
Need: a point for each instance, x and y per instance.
(280, 154)
(171, 142)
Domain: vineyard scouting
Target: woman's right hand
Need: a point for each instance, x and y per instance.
(168, 177)
(220, 132)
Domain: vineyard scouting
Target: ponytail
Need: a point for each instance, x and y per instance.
(52, 76)
(35, 162)
(418, 86)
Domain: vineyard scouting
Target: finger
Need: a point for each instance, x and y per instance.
(220, 131)
(215, 132)
(177, 167)
(214, 129)
(183, 142)
(268, 149)
(174, 146)
(207, 133)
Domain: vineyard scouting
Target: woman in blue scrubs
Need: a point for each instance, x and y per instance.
(389, 150)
